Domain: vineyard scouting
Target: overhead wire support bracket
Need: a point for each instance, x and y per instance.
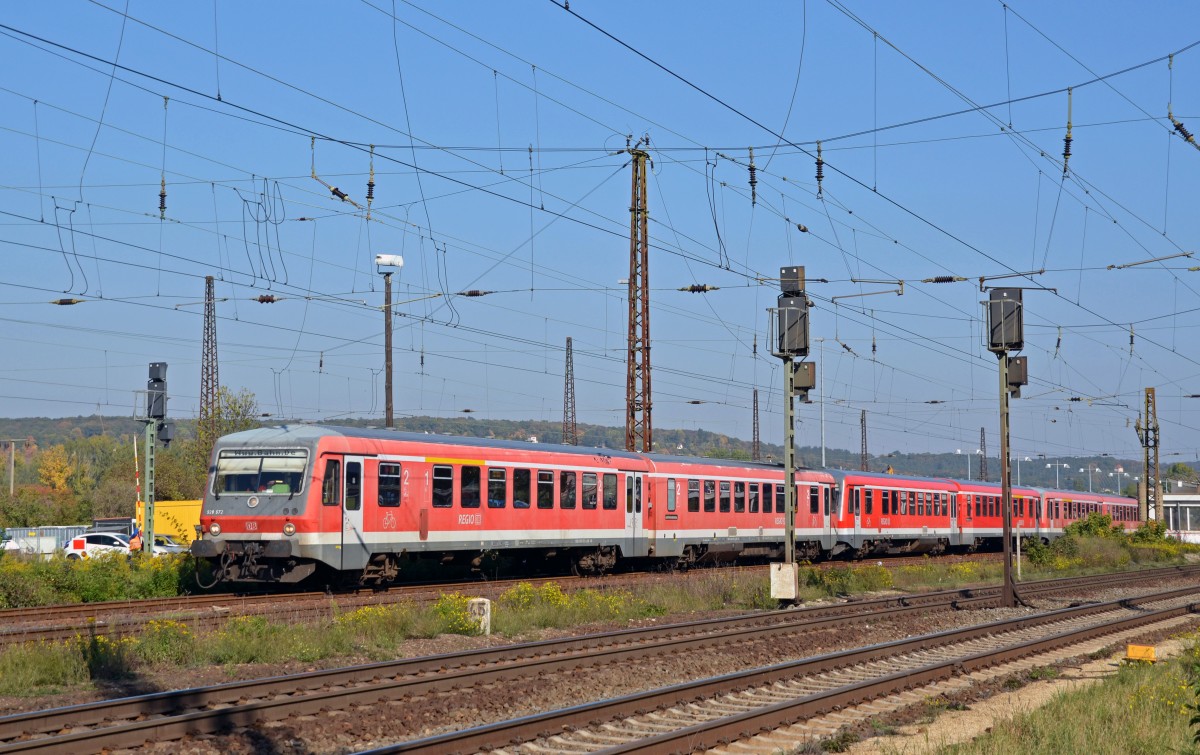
(897, 291)
(984, 278)
(1153, 259)
(335, 191)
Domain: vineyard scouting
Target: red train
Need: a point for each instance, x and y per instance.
(285, 502)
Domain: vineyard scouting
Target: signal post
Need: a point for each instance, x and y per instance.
(790, 340)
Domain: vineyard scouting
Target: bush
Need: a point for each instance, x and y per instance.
(26, 583)
(845, 580)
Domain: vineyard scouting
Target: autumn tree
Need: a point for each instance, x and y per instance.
(54, 468)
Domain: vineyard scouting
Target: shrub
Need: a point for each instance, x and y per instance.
(166, 641)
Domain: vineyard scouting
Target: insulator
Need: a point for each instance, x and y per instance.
(370, 190)
(1067, 139)
(335, 191)
(699, 288)
(162, 200)
(68, 302)
(802, 228)
(942, 279)
(1187, 135)
(475, 292)
(753, 180)
(266, 299)
(1075, 398)
(820, 170)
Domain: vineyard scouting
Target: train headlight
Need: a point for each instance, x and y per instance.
(289, 529)
(214, 529)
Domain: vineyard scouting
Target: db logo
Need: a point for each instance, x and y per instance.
(251, 526)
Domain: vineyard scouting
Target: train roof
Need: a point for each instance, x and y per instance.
(308, 435)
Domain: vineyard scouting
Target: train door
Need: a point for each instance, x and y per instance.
(355, 550)
(633, 511)
(953, 498)
(828, 496)
(859, 494)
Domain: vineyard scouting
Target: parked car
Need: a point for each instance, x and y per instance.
(94, 543)
(165, 544)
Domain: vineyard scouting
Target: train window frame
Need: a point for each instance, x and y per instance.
(693, 496)
(466, 499)
(723, 497)
(441, 490)
(869, 501)
(568, 489)
(545, 489)
(527, 475)
(589, 491)
(388, 484)
(670, 494)
(768, 499)
(780, 499)
(885, 502)
(354, 485)
(497, 483)
(754, 499)
(814, 500)
(331, 483)
(826, 494)
(739, 497)
(609, 491)
(710, 496)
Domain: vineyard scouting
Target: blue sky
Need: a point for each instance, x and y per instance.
(498, 131)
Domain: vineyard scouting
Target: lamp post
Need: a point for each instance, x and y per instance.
(1058, 466)
(1089, 471)
(1019, 468)
(959, 451)
(387, 261)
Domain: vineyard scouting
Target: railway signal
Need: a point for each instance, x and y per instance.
(790, 341)
(1006, 332)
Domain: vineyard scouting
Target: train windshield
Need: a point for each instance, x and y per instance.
(257, 470)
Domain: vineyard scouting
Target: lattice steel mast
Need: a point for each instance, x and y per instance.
(210, 382)
(755, 445)
(638, 426)
(862, 463)
(983, 475)
(1150, 496)
(570, 434)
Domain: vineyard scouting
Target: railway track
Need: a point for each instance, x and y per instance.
(127, 617)
(712, 713)
(167, 716)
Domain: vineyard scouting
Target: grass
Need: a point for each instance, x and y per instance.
(1141, 709)
(30, 582)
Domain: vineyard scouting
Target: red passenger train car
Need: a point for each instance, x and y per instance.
(286, 502)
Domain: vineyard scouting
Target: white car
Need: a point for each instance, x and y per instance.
(165, 544)
(93, 543)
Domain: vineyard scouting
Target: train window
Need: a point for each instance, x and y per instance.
(637, 494)
(754, 498)
(814, 500)
(710, 496)
(566, 490)
(331, 486)
(610, 491)
(470, 491)
(389, 485)
(522, 481)
(443, 486)
(693, 495)
(353, 485)
(870, 501)
(724, 498)
(670, 495)
(780, 504)
(628, 494)
(953, 505)
(768, 497)
(545, 489)
(855, 501)
(739, 497)
(937, 504)
(497, 488)
(591, 484)
(885, 502)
